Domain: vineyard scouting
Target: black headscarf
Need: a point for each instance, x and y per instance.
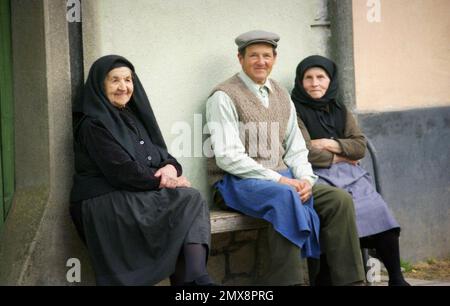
(324, 117)
(95, 104)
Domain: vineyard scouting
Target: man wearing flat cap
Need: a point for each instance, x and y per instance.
(261, 169)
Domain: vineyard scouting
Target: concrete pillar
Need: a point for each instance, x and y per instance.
(38, 237)
(341, 47)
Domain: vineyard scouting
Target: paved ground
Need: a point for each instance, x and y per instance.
(415, 282)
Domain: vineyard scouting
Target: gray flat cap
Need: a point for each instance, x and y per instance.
(256, 36)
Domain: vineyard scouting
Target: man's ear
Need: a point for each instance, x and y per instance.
(240, 57)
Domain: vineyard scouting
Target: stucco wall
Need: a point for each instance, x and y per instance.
(402, 64)
(414, 176)
(402, 54)
(182, 49)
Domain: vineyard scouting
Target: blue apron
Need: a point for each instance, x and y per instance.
(278, 204)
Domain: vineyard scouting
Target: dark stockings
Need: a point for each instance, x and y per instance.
(191, 266)
(177, 278)
(387, 248)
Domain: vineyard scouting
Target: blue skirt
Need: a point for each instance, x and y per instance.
(373, 216)
(278, 204)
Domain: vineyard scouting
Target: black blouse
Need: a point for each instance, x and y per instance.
(102, 165)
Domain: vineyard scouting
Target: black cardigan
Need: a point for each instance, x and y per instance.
(102, 165)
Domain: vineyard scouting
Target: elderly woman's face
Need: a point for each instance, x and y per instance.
(316, 82)
(119, 86)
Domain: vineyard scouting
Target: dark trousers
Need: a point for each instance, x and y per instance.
(338, 238)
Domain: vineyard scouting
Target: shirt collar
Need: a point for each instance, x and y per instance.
(251, 84)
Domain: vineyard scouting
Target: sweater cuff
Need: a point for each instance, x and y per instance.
(173, 163)
(274, 176)
(311, 179)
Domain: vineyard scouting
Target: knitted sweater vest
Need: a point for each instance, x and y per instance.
(262, 130)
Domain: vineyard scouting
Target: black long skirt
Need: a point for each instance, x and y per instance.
(135, 238)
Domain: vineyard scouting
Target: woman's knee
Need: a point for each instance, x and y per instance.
(195, 196)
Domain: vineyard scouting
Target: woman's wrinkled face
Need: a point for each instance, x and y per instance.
(119, 86)
(316, 82)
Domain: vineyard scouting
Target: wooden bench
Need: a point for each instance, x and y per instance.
(239, 254)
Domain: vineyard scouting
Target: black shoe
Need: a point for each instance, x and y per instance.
(201, 281)
(398, 282)
(360, 283)
(195, 284)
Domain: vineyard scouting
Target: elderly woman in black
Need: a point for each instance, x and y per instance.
(336, 144)
(138, 216)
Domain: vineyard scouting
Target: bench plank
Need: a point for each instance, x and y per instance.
(228, 221)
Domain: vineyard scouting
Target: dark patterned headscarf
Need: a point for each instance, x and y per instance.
(324, 117)
(95, 104)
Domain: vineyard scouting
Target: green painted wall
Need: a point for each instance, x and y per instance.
(6, 113)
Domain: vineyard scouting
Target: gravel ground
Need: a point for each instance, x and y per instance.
(430, 269)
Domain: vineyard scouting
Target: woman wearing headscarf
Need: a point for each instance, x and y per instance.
(138, 216)
(336, 144)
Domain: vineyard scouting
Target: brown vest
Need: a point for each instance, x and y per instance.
(262, 130)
